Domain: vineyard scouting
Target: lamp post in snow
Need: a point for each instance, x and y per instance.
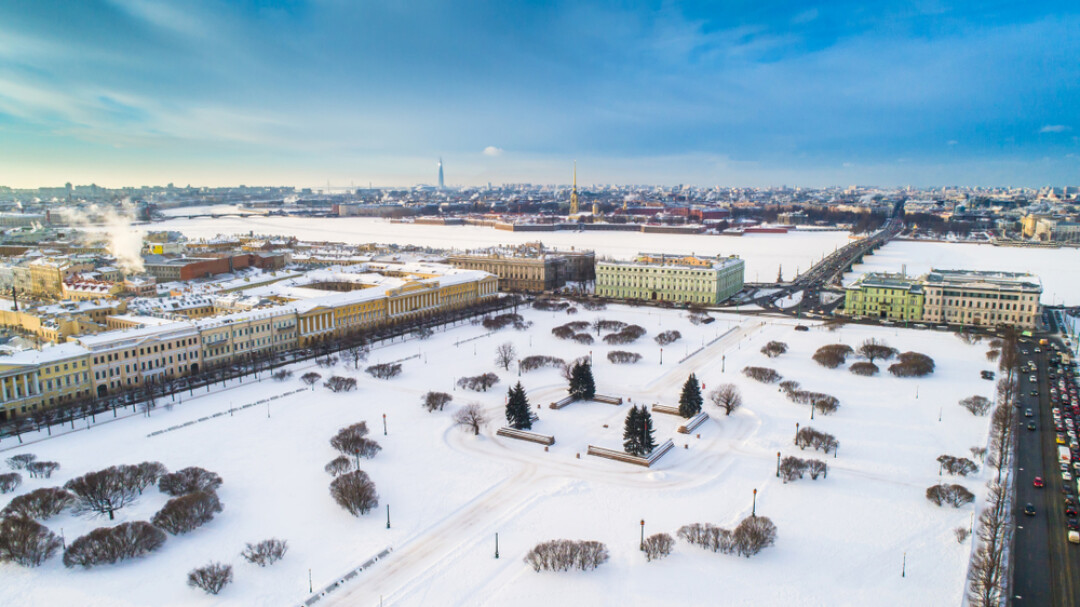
(777, 464)
(753, 510)
(642, 547)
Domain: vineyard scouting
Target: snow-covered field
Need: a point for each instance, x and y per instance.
(764, 253)
(1059, 269)
(841, 540)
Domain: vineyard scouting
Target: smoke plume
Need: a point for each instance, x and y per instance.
(125, 241)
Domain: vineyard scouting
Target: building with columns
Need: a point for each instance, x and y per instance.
(686, 279)
(34, 379)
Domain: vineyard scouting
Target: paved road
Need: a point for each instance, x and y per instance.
(1047, 567)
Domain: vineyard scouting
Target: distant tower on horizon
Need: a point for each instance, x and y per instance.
(573, 193)
(442, 184)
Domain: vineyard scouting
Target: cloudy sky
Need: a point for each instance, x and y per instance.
(740, 92)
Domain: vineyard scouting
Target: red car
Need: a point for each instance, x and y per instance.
(1038, 481)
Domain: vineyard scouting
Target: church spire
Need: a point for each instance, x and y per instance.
(573, 194)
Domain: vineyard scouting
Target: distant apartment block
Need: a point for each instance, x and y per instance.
(674, 278)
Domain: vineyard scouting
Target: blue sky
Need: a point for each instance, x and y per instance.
(737, 93)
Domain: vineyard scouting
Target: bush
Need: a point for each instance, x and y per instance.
(626, 335)
(583, 338)
(817, 468)
(977, 405)
(665, 338)
(562, 555)
(550, 305)
(187, 512)
(436, 400)
(954, 495)
(20, 461)
(912, 364)
(832, 355)
(495, 323)
(266, 552)
(42, 469)
(792, 468)
(962, 534)
(339, 465)
(10, 482)
(957, 466)
(112, 544)
(774, 349)
(282, 375)
(753, 535)
(327, 361)
(531, 363)
(608, 325)
(750, 537)
(26, 542)
(310, 378)
(384, 371)
(658, 546)
(352, 440)
(40, 503)
(340, 384)
(789, 386)
(863, 368)
(479, 383)
(211, 578)
(143, 475)
(762, 374)
(355, 492)
(809, 437)
(189, 480)
(622, 357)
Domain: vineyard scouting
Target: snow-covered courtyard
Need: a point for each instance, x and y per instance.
(842, 540)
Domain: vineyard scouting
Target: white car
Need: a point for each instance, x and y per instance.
(1065, 476)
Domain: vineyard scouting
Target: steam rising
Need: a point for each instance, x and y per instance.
(125, 240)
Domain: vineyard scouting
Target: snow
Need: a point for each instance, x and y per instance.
(1059, 269)
(841, 540)
(764, 254)
(790, 301)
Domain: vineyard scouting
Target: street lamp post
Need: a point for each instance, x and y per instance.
(642, 547)
(384, 424)
(777, 464)
(661, 356)
(388, 516)
(496, 544)
(753, 511)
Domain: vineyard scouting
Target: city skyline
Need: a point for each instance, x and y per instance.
(132, 92)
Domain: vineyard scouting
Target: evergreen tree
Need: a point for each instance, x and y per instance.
(645, 432)
(638, 432)
(690, 401)
(518, 414)
(582, 385)
(631, 435)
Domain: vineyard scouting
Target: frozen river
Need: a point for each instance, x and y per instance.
(764, 253)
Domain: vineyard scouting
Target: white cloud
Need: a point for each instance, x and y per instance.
(1055, 128)
(952, 142)
(493, 151)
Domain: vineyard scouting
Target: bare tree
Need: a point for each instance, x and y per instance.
(187, 512)
(384, 370)
(42, 469)
(340, 384)
(658, 546)
(355, 492)
(762, 374)
(10, 482)
(873, 349)
(753, 535)
(39, 503)
(26, 542)
(832, 355)
(102, 492)
(505, 355)
(792, 468)
(189, 480)
(211, 578)
(479, 383)
(774, 349)
(339, 465)
(727, 397)
(266, 552)
(665, 338)
(977, 405)
(563, 555)
(435, 401)
(352, 440)
(954, 495)
(471, 416)
(355, 353)
(20, 461)
(310, 378)
(112, 544)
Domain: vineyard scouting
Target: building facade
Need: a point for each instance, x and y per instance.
(982, 299)
(884, 295)
(531, 274)
(674, 278)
